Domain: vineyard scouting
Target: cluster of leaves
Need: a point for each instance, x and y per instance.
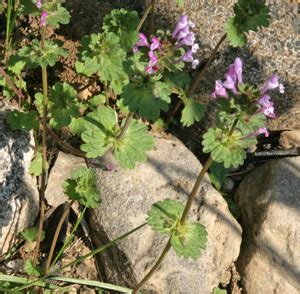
(82, 187)
(250, 15)
(236, 124)
(187, 239)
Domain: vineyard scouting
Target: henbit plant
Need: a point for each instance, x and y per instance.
(138, 74)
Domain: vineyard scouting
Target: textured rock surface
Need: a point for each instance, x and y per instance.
(290, 139)
(64, 165)
(270, 256)
(272, 49)
(170, 172)
(18, 193)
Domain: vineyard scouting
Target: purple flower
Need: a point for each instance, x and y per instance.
(235, 71)
(271, 83)
(189, 40)
(195, 63)
(267, 107)
(183, 33)
(195, 47)
(43, 19)
(219, 90)
(39, 4)
(188, 56)
(142, 41)
(153, 58)
(262, 131)
(281, 88)
(230, 84)
(183, 22)
(155, 44)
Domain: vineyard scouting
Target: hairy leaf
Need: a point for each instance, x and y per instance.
(132, 147)
(124, 24)
(189, 240)
(22, 120)
(63, 105)
(34, 56)
(192, 112)
(30, 234)
(31, 269)
(147, 98)
(36, 165)
(58, 15)
(218, 174)
(164, 215)
(102, 54)
(81, 186)
(235, 37)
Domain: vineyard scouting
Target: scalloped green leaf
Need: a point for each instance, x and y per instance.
(31, 269)
(35, 168)
(22, 120)
(63, 105)
(148, 98)
(218, 174)
(189, 240)
(234, 36)
(124, 24)
(58, 15)
(102, 54)
(82, 187)
(225, 149)
(30, 234)
(34, 56)
(164, 215)
(132, 147)
(192, 112)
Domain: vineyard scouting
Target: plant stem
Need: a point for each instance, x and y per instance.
(197, 79)
(65, 145)
(55, 237)
(145, 15)
(182, 221)
(126, 125)
(44, 152)
(80, 259)
(154, 268)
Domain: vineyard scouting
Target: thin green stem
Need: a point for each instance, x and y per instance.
(44, 152)
(197, 79)
(154, 268)
(82, 258)
(70, 238)
(126, 125)
(56, 234)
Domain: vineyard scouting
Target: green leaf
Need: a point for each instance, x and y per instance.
(235, 37)
(96, 101)
(30, 234)
(81, 186)
(63, 105)
(102, 54)
(77, 126)
(22, 120)
(99, 134)
(34, 56)
(180, 2)
(58, 16)
(147, 98)
(164, 215)
(189, 240)
(218, 174)
(225, 149)
(217, 290)
(31, 269)
(192, 112)
(35, 168)
(131, 148)
(28, 7)
(124, 24)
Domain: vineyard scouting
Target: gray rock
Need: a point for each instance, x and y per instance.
(64, 165)
(170, 172)
(270, 208)
(18, 193)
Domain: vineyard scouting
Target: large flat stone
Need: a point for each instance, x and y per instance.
(269, 199)
(127, 195)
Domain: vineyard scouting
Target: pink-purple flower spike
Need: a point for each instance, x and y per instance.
(43, 19)
(39, 4)
(185, 37)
